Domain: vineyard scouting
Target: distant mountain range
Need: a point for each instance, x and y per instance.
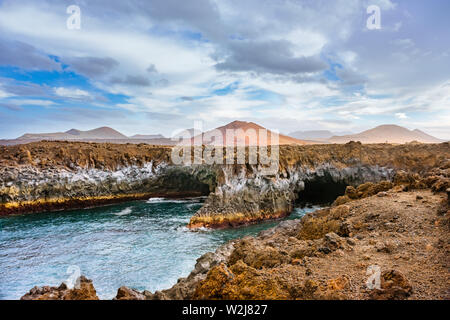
(387, 134)
(380, 134)
(316, 135)
(102, 134)
(74, 134)
(147, 136)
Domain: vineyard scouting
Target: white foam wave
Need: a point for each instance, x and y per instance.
(124, 212)
(166, 200)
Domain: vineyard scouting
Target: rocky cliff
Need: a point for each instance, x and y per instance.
(57, 175)
(245, 195)
(48, 176)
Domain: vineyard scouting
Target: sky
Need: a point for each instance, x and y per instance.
(158, 66)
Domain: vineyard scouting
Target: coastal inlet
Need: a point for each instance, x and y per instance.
(140, 244)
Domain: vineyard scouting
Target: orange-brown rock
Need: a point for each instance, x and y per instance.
(125, 293)
(394, 286)
(308, 259)
(318, 226)
(362, 191)
(83, 291)
(340, 283)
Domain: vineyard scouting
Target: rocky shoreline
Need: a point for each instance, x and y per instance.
(402, 228)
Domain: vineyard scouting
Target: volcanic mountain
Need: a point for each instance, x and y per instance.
(388, 133)
(244, 133)
(74, 134)
(99, 133)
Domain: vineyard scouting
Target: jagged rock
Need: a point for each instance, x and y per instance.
(317, 226)
(363, 191)
(339, 212)
(256, 255)
(441, 184)
(345, 229)
(351, 193)
(341, 200)
(339, 283)
(212, 286)
(125, 293)
(301, 250)
(332, 241)
(243, 282)
(385, 246)
(394, 286)
(403, 177)
(85, 291)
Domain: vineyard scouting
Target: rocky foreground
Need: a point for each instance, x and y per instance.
(331, 253)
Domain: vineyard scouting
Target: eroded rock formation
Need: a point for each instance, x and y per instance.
(48, 176)
(245, 195)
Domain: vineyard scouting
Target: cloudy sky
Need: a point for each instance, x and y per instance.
(157, 66)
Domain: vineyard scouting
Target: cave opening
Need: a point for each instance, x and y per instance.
(184, 183)
(321, 190)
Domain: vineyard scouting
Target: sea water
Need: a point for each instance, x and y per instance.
(140, 244)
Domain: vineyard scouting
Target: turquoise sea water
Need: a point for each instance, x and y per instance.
(140, 244)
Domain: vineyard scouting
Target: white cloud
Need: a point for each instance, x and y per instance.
(4, 94)
(305, 42)
(384, 4)
(401, 115)
(71, 92)
(31, 102)
(397, 26)
(349, 57)
(403, 43)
